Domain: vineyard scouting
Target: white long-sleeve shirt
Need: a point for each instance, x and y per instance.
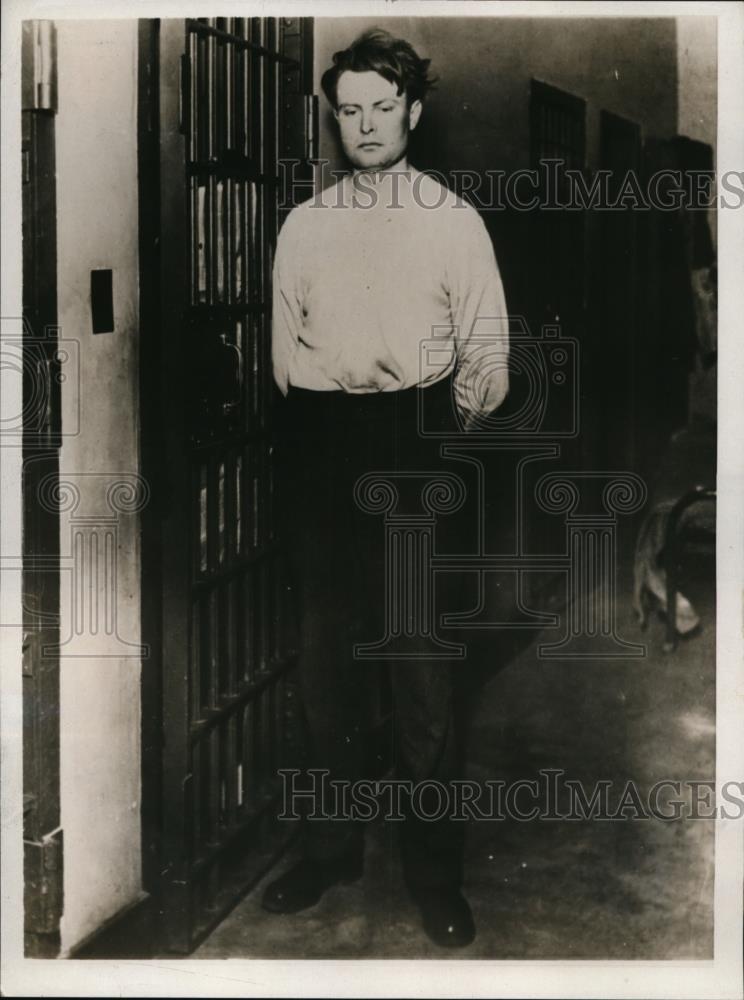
(384, 285)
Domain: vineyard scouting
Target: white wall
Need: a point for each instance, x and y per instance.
(697, 118)
(697, 71)
(697, 68)
(100, 702)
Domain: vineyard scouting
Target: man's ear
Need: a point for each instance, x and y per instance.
(414, 113)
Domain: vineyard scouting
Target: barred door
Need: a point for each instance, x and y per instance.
(233, 102)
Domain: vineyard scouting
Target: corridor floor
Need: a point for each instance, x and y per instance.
(550, 889)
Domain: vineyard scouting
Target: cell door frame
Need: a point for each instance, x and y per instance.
(167, 118)
(40, 439)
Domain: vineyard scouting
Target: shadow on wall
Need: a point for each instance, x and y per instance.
(477, 118)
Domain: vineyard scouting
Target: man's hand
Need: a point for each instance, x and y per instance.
(469, 420)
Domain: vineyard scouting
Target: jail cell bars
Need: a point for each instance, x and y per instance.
(241, 699)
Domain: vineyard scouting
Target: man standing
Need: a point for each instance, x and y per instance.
(381, 262)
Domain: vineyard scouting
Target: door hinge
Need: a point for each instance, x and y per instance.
(43, 885)
(39, 66)
(311, 126)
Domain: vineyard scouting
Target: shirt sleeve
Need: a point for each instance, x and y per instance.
(481, 323)
(287, 302)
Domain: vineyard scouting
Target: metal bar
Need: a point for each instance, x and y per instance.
(255, 502)
(194, 811)
(249, 757)
(237, 250)
(200, 111)
(270, 109)
(201, 671)
(253, 288)
(194, 683)
(222, 310)
(221, 669)
(148, 168)
(239, 772)
(230, 513)
(231, 645)
(271, 733)
(211, 87)
(212, 562)
(229, 758)
(259, 762)
(201, 505)
(239, 95)
(238, 500)
(177, 520)
(212, 522)
(264, 614)
(206, 240)
(229, 243)
(193, 52)
(249, 626)
(220, 90)
(213, 741)
(207, 30)
(230, 55)
(193, 237)
(220, 247)
(279, 725)
(244, 242)
(248, 59)
(257, 103)
(201, 760)
(221, 544)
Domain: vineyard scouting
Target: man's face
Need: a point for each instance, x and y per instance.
(374, 120)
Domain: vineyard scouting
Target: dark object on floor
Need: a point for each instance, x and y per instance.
(675, 507)
(304, 884)
(446, 916)
(673, 546)
(650, 580)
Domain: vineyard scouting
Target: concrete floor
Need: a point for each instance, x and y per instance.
(550, 889)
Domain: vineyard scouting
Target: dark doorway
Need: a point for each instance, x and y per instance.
(617, 327)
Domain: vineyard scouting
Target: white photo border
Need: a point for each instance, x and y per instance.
(719, 979)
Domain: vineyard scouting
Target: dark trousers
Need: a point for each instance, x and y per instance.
(325, 442)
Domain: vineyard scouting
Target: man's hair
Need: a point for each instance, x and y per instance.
(393, 58)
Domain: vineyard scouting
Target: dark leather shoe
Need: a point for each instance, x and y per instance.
(304, 884)
(446, 917)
